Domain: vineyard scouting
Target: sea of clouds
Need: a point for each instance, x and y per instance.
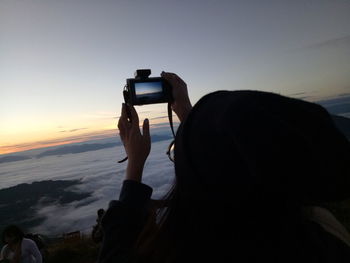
(100, 175)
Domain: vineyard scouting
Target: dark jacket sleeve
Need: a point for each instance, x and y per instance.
(123, 222)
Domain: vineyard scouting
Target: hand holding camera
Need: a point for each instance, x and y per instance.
(168, 88)
(180, 104)
(145, 90)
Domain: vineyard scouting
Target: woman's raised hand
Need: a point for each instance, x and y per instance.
(181, 104)
(137, 145)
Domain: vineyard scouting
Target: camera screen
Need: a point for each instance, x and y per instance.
(149, 89)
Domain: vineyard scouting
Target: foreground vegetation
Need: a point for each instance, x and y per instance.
(74, 251)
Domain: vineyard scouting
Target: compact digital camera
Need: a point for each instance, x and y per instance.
(145, 90)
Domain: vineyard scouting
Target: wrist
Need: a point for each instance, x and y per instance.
(183, 111)
(134, 171)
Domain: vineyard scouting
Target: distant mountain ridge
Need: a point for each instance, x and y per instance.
(341, 122)
(20, 203)
(15, 158)
(77, 149)
(71, 149)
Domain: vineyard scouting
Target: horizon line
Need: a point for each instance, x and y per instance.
(85, 137)
(23, 147)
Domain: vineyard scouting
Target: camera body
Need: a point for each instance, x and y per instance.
(143, 90)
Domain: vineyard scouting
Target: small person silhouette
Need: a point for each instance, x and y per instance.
(97, 232)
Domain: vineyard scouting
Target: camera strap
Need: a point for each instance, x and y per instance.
(170, 116)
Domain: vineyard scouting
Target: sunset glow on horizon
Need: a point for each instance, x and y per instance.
(63, 64)
(41, 137)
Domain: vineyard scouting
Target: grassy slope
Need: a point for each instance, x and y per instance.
(80, 251)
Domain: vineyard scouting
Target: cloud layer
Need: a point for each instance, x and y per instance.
(99, 174)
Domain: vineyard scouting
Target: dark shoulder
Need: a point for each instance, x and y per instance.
(325, 246)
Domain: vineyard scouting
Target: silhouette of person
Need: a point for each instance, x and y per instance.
(100, 213)
(97, 232)
(18, 248)
(40, 243)
(252, 172)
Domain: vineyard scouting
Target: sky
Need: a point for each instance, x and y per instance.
(63, 64)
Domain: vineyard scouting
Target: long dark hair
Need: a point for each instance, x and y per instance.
(12, 231)
(245, 163)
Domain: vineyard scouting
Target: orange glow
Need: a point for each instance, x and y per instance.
(32, 146)
(26, 133)
(57, 141)
(19, 142)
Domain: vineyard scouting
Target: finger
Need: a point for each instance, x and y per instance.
(168, 76)
(122, 131)
(173, 79)
(121, 127)
(120, 124)
(145, 129)
(124, 115)
(126, 118)
(134, 116)
(178, 80)
(123, 121)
